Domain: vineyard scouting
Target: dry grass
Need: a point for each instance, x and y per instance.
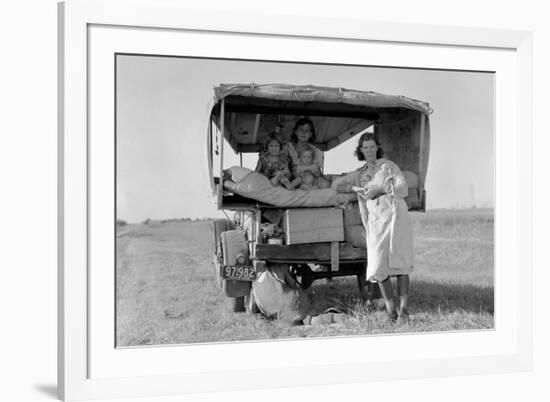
(167, 293)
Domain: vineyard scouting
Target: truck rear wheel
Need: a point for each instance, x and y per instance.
(225, 251)
(218, 227)
(233, 247)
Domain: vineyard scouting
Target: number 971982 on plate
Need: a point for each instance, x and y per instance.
(238, 272)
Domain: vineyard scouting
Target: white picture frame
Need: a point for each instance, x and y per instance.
(92, 31)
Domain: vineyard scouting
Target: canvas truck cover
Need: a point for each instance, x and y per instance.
(311, 93)
(253, 111)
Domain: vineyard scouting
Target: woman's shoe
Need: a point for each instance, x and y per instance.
(403, 317)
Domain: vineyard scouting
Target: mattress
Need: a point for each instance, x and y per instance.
(256, 186)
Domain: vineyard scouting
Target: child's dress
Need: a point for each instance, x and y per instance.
(271, 168)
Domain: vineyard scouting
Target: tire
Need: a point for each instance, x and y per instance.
(237, 304)
(218, 227)
(233, 244)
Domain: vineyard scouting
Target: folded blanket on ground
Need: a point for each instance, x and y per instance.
(250, 184)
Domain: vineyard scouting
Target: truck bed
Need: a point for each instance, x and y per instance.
(310, 253)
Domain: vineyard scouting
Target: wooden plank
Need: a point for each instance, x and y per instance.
(210, 158)
(421, 160)
(343, 263)
(334, 257)
(321, 130)
(307, 110)
(233, 142)
(222, 126)
(233, 119)
(222, 135)
(313, 225)
(256, 126)
(309, 252)
(257, 231)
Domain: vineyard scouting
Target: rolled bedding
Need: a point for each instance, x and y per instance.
(250, 184)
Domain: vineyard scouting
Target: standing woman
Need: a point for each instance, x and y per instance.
(302, 137)
(381, 189)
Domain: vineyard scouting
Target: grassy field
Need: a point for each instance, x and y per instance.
(167, 292)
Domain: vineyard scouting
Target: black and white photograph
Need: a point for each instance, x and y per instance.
(264, 200)
(274, 201)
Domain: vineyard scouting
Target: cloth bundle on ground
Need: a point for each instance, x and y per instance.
(277, 294)
(250, 184)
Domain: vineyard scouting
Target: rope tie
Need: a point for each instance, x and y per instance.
(341, 92)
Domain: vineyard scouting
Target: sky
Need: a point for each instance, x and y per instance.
(162, 115)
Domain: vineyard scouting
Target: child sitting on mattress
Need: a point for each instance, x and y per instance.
(308, 181)
(306, 165)
(274, 164)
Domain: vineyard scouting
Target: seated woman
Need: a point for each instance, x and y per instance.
(274, 164)
(303, 136)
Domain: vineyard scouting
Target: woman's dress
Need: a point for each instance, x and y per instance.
(386, 220)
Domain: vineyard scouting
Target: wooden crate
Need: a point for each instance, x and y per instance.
(313, 225)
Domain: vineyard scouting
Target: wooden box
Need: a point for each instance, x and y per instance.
(313, 225)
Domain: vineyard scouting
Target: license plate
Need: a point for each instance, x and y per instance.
(238, 272)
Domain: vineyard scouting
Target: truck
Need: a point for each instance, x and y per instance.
(319, 234)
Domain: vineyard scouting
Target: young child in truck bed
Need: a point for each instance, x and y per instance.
(274, 164)
(305, 166)
(308, 181)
